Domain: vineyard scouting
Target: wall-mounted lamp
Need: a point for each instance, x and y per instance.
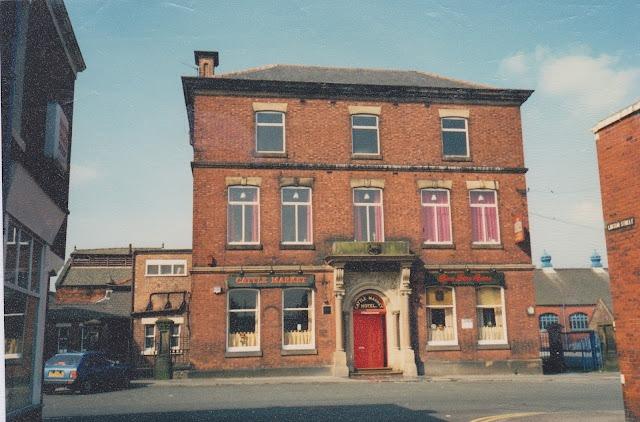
(217, 290)
(531, 310)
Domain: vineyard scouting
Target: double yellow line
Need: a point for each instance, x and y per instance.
(506, 416)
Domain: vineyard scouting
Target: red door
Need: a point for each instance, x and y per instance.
(369, 339)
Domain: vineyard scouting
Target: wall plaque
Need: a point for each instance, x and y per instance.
(266, 281)
(616, 225)
(465, 278)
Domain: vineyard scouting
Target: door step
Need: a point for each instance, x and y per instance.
(374, 372)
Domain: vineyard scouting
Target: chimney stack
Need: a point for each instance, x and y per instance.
(206, 61)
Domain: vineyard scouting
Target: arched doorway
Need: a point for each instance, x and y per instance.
(369, 333)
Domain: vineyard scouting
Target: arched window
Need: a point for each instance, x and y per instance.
(441, 314)
(578, 321)
(548, 319)
(368, 219)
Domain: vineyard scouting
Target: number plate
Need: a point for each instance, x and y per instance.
(56, 374)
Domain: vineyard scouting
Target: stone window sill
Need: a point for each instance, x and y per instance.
(270, 155)
(487, 246)
(454, 158)
(244, 247)
(366, 157)
(291, 247)
(493, 347)
(289, 352)
(438, 246)
(442, 348)
(248, 354)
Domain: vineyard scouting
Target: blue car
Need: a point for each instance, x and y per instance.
(84, 372)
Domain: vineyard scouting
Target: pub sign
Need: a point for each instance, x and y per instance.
(465, 278)
(267, 281)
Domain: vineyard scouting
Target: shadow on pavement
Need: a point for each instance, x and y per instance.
(374, 412)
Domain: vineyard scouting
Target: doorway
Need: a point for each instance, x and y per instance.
(369, 333)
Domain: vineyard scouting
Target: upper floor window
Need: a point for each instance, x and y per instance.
(441, 314)
(364, 134)
(367, 207)
(242, 323)
(578, 321)
(436, 216)
(23, 260)
(484, 216)
(166, 267)
(491, 319)
(243, 215)
(455, 137)
(547, 319)
(270, 131)
(297, 318)
(296, 215)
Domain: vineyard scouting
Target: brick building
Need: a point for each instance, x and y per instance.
(40, 62)
(350, 220)
(617, 139)
(161, 289)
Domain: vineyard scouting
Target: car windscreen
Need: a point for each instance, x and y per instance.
(64, 360)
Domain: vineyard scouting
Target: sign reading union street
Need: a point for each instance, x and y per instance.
(465, 279)
(628, 222)
(282, 280)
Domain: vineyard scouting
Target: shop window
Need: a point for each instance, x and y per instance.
(436, 216)
(368, 219)
(297, 316)
(547, 319)
(270, 132)
(296, 215)
(63, 338)
(242, 323)
(484, 216)
(441, 315)
(578, 321)
(149, 337)
(364, 134)
(243, 221)
(492, 327)
(166, 267)
(455, 137)
(15, 309)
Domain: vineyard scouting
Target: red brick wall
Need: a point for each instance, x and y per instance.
(619, 160)
(79, 294)
(564, 313)
(145, 285)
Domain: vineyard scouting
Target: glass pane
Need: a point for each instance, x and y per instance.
(165, 269)
(297, 298)
(440, 297)
(429, 224)
(243, 194)
(488, 317)
(364, 121)
(288, 223)
(303, 223)
(360, 219)
(489, 296)
(365, 141)
(242, 322)
(454, 123)
(152, 269)
(234, 224)
(270, 138)
(266, 117)
(178, 269)
(250, 223)
(374, 224)
(367, 196)
(64, 360)
(430, 196)
(36, 262)
(148, 330)
(454, 143)
(479, 197)
(24, 259)
(295, 195)
(242, 299)
(296, 321)
(10, 262)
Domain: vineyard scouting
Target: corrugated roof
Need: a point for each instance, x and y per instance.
(118, 305)
(95, 276)
(338, 75)
(572, 286)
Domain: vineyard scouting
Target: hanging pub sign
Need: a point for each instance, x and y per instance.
(280, 280)
(465, 278)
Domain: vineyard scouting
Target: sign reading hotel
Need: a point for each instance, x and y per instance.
(465, 278)
(628, 222)
(266, 281)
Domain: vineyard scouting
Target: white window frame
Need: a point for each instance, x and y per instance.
(256, 311)
(16, 243)
(172, 262)
(586, 321)
(547, 323)
(243, 204)
(17, 314)
(175, 348)
(82, 331)
(504, 316)
(296, 205)
(435, 221)
(68, 328)
(177, 321)
(370, 205)
(149, 350)
(466, 133)
(377, 128)
(454, 317)
(482, 220)
(284, 148)
(312, 325)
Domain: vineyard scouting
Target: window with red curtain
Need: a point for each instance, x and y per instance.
(243, 215)
(484, 216)
(436, 216)
(367, 209)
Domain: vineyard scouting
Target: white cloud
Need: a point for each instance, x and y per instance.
(515, 65)
(586, 212)
(81, 175)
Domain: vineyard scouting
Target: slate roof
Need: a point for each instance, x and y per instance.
(113, 251)
(117, 306)
(94, 276)
(338, 75)
(572, 286)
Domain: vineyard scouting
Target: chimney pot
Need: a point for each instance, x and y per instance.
(206, 61)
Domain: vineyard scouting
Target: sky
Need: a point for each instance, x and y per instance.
(130, 164)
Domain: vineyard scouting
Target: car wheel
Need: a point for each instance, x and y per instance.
(86, 387)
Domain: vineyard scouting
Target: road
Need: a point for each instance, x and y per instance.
(584, 397)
